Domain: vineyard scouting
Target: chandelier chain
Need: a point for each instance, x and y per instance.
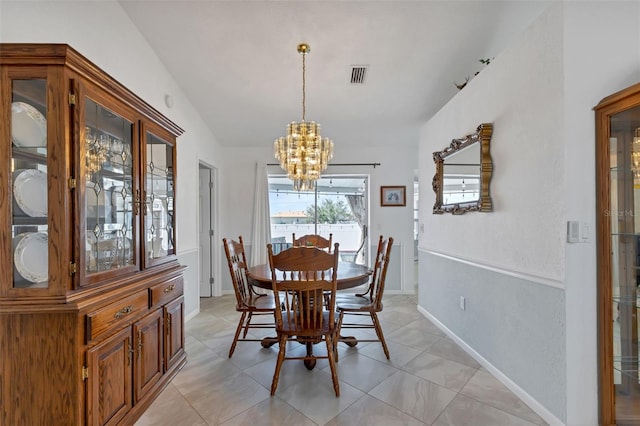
(304, 109)
(303, 153)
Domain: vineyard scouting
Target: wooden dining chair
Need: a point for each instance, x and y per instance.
(248, 302)
(299, 277)
(313, 240)
(368, 303)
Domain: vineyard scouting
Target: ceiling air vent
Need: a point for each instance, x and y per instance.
(358, 73)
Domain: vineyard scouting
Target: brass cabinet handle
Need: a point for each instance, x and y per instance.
(140, 344)
(144, 203)
(130, 350)
(170, 288)
(140, 203)
(124, 311)
(136, 203)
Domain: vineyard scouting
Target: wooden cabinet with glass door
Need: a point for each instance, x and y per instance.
(618, 198)
(91, 292)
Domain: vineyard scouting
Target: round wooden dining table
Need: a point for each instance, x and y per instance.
(349, 275)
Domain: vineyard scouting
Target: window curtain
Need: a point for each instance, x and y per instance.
(261, 233)
(356, 203)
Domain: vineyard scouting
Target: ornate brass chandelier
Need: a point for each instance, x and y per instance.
(303, 154)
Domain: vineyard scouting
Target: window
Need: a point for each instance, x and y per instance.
(338, 206)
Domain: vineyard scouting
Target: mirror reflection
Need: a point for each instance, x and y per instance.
(463, 172)
(461, 176)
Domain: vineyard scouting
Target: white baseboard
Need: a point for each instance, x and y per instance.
(191, 315)
(512, 386)
(406, 292)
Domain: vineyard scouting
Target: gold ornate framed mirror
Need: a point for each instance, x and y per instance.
(463, 174)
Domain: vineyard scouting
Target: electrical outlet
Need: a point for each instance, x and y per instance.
(462, 303)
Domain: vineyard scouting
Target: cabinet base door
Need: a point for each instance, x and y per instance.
(109, 382)
(174, 346)
(149, 349)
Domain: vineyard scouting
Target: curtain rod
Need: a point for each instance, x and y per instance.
(374, 165)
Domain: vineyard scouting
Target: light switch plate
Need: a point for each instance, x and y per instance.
(578, 232)
(573, 231)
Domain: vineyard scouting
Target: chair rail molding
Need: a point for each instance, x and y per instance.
(538, 279)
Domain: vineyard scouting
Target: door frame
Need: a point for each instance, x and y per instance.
(213, 264)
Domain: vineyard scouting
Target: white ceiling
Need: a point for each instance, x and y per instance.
(237, 61)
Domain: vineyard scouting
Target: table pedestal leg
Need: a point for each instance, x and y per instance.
(267, 342)
(350, 341)
(310, 363)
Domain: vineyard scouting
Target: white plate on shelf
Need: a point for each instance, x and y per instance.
(30, 191)
(31, 256)
(28, 126)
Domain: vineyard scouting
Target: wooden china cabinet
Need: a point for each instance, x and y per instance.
(618, 207)
(91, 292)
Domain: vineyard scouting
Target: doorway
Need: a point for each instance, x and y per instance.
(416, 228)
(206, 231)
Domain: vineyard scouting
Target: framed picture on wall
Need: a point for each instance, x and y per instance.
(393, 196)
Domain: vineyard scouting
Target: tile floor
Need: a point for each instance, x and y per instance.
(428, 381)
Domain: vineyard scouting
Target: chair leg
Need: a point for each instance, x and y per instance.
(376, 323)
(238, 329)
(246, 326)
(337, 337)
(282, 340)
(332, 365)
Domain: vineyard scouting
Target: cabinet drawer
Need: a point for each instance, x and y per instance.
(166, 291)
(116, 314)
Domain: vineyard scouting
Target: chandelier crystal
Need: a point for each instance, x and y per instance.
(303, 153)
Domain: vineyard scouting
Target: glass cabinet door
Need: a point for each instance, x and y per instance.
(158, 193)
(28, 195)
(109, 209)
(624, 143)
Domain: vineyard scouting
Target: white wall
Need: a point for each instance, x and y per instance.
(102, 32)
(397, 167)
(514, 96)
(539, 93)
(494, 259)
